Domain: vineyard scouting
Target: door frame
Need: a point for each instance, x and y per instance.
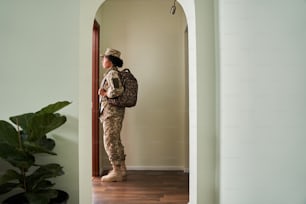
(95, 99)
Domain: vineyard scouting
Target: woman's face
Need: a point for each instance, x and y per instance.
(106, 63)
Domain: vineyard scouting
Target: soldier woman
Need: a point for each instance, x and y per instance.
(112, 116)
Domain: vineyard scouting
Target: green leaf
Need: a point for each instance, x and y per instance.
(41, 197)
(10, 175)
(52, 108)
(24, 121)
(16, 157)
(44, 145)
(7, 187)
(36, 148)
(44, 185)
(42, 173)
(44, 123)
(8, 134)
(47, 143)
(36, 125)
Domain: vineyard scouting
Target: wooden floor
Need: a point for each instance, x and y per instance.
(144, 187)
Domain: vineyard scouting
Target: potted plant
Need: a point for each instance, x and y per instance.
(20, 144)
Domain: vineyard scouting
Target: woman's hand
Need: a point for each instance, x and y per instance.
(102, 92)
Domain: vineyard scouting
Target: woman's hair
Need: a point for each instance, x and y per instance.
(115, 60)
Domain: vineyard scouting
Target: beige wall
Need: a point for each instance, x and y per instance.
(155, 132)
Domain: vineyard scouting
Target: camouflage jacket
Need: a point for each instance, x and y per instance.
(112, 85)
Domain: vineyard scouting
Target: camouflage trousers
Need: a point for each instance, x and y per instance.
(111, 119)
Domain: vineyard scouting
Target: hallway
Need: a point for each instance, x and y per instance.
(144, 187)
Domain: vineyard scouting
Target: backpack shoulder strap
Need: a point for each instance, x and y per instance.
(126, 70)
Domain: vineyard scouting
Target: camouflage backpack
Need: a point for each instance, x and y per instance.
(129, 96)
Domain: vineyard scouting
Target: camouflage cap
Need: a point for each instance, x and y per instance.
(113, 52)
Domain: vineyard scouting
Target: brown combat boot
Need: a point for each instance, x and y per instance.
(123, 169)
(114, 175)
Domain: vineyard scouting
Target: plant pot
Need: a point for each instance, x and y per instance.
(61, 198)
(20, 198)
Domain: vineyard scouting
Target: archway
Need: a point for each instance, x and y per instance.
(155, 132)
(87, 15)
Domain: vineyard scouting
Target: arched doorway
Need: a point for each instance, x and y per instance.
(155, 132)
(87, 14)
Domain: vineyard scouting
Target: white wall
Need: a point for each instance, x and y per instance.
(263, 97)
(207, 161)
(38, 66)
(152, 44)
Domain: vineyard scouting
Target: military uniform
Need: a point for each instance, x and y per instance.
(111, 118)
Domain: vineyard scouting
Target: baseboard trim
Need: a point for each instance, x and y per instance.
(153, 168)
(150, 168)
(156, 168)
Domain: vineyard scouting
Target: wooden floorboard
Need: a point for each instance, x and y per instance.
(144, 187)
